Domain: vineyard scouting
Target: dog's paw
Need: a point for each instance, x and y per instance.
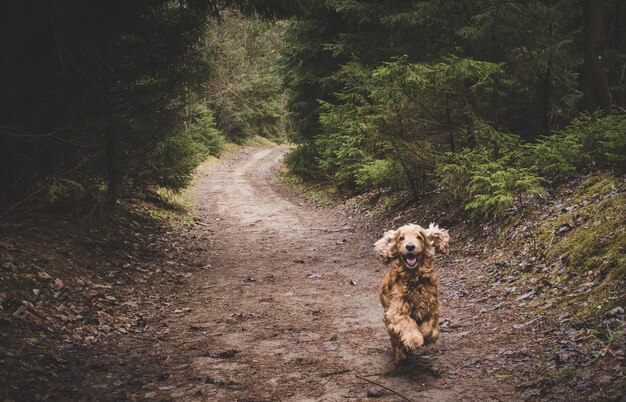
(412, 340)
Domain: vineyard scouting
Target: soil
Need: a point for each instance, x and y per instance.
(265, 297)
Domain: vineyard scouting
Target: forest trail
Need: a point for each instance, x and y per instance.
(287, 308)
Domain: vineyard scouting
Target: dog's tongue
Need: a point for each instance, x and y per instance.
(411, 260)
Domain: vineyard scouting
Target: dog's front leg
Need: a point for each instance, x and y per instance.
(430, 330)
(399, 323)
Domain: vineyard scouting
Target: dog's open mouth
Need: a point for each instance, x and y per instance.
(410, 260)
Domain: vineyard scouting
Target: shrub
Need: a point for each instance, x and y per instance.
(301, 162)
(603, 138)
(556, 157)
(379, 174)
(208, 139)
(499, 173)
(61, 189)
(495, 187)
(456, 171)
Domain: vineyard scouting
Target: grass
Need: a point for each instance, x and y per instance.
(320, 193)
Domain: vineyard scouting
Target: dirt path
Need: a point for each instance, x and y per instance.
(268, 297)
(287, 308)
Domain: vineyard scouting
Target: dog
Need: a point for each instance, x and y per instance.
(409, 292)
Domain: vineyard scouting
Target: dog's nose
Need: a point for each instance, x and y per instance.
(410, 247)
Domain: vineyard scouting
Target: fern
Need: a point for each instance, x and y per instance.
(498, 188)
(61, 189)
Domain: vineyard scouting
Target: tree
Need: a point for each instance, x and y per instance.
(596, 84)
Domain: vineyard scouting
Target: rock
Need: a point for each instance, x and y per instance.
(564, 357)
(564, 229)
(525, 266)
(565, 317)
(612, 322)
(525, 296)
(615, 312)
(19, 310)
(43, 275)
(375, 393)
(9, 265)
(491, 308)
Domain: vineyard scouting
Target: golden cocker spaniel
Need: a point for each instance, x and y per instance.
(409, 292)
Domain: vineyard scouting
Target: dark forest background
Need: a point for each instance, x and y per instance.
(492, 100)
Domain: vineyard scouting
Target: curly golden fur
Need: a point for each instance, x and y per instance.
(409, 292)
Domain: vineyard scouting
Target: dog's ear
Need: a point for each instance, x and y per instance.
(385, 246)
(439, 238)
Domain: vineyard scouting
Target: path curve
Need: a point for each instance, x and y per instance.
(287, 307)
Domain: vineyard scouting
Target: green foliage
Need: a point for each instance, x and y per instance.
(302, 163)
(207, 138)
(380, 174)
(456, 171)
(589, 141)
(556, 157)
(179, 157)
(488, 182)
(602, 138)
(108, 94)
(246, 92)
(409, 82)
(60, 189)
(339, 151)
(494, 187)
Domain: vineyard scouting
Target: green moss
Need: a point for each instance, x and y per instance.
(593, 250)
(599, 243)
(601, 185)
(599, 240)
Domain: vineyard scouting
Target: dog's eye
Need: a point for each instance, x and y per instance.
(401, 238)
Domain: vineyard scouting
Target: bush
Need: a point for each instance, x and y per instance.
(379, 174)
(301, 162)
(208, 139)
(602, 138)
(456, 172)
(499, 173)
(557, 157)
(495, 188)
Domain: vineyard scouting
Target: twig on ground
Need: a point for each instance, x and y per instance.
(352, 229)
(394, 370)
(383, 386)
(331, 375)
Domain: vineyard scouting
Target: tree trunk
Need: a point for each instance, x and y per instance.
(111, 146)
(595, 80)
(546, 91)
(449, 122)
